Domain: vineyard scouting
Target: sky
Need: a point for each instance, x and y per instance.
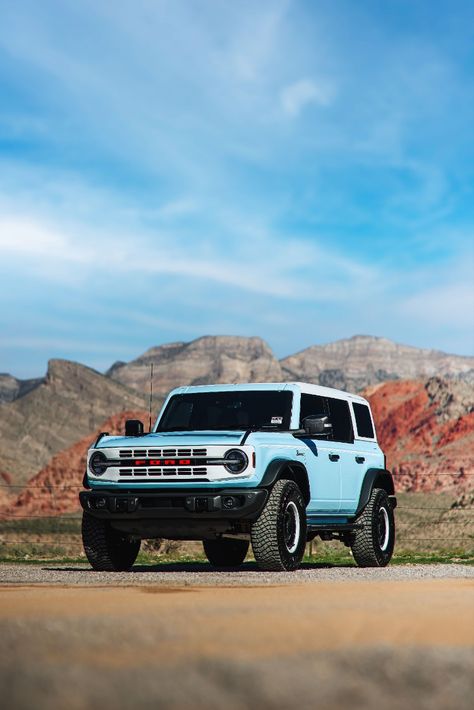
(300, 171)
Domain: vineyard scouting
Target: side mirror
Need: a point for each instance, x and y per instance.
(317, 425)
(133, 427)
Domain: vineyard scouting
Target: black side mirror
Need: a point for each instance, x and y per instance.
(133, 427)
(317, 425)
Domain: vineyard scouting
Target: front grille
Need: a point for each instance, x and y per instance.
(153, 471)
(158, 453)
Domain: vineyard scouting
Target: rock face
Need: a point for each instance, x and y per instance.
(363, 360)
(54, 490)
(426, 430)
(70, 403)
(11, 388)
(207, 360)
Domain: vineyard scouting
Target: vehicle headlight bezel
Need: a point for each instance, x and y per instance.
(98, 463)
(238, 461)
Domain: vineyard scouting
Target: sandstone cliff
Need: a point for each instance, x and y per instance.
(207, 360)
(363, 360)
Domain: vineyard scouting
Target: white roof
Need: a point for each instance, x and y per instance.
(302, 386)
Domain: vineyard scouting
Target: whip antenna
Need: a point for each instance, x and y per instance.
(151, 393)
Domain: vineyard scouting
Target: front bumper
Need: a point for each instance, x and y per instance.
(230, 504)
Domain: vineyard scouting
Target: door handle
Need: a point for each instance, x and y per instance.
(334, 457)
(360, 459)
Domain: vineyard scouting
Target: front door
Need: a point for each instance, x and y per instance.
(321, 461)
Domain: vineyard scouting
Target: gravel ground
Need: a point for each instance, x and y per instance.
(201, 574)
(400, 638)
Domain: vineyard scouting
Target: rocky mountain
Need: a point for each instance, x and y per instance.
(207, 360)
(426, 429)
(69, 404)
(363, 360)
(11, 388)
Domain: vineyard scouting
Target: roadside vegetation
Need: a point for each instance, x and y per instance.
(428, 530)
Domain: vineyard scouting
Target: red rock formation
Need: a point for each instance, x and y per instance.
(427, 448)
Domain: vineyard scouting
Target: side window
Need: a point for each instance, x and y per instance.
(311, 404)
(341, 420)
(363, 420)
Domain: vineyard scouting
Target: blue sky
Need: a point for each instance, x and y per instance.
(302, 171)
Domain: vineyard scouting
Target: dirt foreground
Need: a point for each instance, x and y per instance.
(396, 644)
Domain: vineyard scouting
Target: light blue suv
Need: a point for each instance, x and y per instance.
(274, 465)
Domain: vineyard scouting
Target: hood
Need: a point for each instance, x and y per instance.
(175, 439)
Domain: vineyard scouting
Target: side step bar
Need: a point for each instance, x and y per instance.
(334, 527)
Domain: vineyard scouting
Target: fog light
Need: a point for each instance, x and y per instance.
(100, 503)
(228, 502)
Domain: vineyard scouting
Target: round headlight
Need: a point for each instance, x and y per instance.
(236, 461)
(98, 463)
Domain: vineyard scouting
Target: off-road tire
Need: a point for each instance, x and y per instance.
(107, 550)
(269, 534)
(226, 552)
(373, 544)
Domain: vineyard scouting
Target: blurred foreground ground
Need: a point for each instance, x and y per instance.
(182, 636)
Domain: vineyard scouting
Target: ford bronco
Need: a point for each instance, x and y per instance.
(274, 465)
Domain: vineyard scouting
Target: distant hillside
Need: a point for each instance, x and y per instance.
(70, 403)
(363, 360)
(207, 360)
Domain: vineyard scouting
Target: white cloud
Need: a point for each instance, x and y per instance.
(252, 258)
(295, 97)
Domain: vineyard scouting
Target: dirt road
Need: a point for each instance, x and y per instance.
(392, 643)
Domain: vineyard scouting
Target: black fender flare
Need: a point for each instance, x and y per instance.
(375, 478)
(298, 472)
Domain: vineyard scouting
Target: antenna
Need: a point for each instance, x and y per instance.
(151, 394)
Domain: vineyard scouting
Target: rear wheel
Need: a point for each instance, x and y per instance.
(226, 552)
(279, 534)
(107, 550)
(373, 544)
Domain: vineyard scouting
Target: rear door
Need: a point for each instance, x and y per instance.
(365, 454)
(340, 443)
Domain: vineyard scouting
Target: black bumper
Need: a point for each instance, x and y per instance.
(210, 504)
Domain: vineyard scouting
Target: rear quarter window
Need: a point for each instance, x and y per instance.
(363, 420)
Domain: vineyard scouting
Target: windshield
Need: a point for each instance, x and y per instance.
(219, 411)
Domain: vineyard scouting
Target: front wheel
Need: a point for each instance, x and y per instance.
(107, 550)
(374, 542)
(226, 552)
(279, 534)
